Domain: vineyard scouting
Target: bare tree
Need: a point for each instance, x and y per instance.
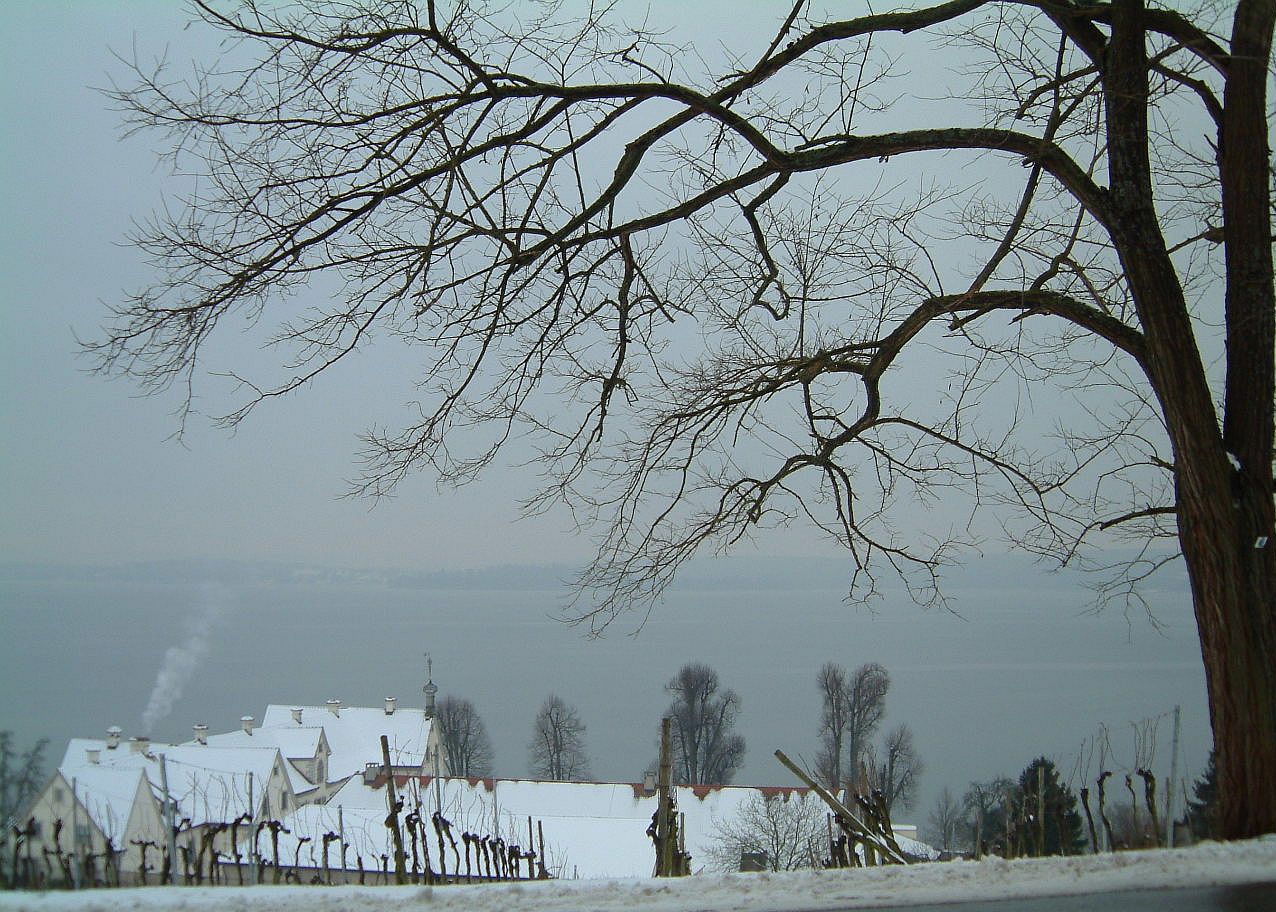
(463, 738)
(985, 804)
(896, 769)
(705, 748)
(947, 821)
(557, 748)
(789, 829)
(853, 707)
(20, 777)
(553, 213)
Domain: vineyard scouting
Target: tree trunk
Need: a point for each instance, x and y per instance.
(1223, 480)
(1243, 700)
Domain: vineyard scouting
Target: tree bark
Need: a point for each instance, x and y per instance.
(1223, 480)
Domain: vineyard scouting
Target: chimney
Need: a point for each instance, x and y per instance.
(334, 707)
(389, 705)
(113, 737)
(140, 745)
(296, 714)
(201, 732)
(94, 755)
(246, 722)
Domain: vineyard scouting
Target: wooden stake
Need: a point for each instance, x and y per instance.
(664, 844)
(400, 871)
(845, 819)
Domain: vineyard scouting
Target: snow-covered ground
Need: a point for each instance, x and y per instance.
(1204, 865)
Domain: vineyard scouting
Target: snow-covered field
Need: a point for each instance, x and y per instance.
(1204, 865)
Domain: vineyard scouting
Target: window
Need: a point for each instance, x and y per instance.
(58, 794)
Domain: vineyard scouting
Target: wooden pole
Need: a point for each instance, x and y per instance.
(75, 832)
(400, 871)
(168, 821)
(1041, 810)
(1174, 775)
(341, 833)
(253, 861)
(664, 844)
(845, 818)
(1008, 851)
(683, 861)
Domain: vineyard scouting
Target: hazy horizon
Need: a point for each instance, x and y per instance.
(984, 692)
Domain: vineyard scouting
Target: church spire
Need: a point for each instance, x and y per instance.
(430, 688)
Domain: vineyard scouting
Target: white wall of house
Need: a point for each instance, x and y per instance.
(111, 810)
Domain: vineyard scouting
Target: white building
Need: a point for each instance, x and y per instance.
(106, 797)
(101, 815)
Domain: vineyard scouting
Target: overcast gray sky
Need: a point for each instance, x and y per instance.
(90, 474)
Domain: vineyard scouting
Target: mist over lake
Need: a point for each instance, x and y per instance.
(1025, 670)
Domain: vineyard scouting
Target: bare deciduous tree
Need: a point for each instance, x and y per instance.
(463, 738)
(853, 707)
(896, 768)
(985, 806)
(713, 293)
(557, 748)
(789, 829)
(946, 821)
(705, 748)
(20, 775)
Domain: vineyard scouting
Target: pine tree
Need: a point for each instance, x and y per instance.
(1063, 832)
(1202, 807)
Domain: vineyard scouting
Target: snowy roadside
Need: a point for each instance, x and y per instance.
(1210, 864)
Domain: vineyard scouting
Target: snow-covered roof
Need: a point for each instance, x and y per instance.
(210, 784)
(354, 734)
(296, 781)
(295, 743)
(917, 849)
(76, 754)
(107, 793)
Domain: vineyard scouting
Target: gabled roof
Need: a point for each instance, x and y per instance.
(297, 781)
(296, 743)
(209, 784)
(108, 794)
(354, 734)
(76, 754)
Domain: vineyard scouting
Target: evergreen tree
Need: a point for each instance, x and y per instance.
(1063, 830)
(1202, 807)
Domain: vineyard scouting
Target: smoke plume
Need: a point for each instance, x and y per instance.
(179, 665)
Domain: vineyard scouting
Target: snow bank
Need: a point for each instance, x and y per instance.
(1209, 864)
